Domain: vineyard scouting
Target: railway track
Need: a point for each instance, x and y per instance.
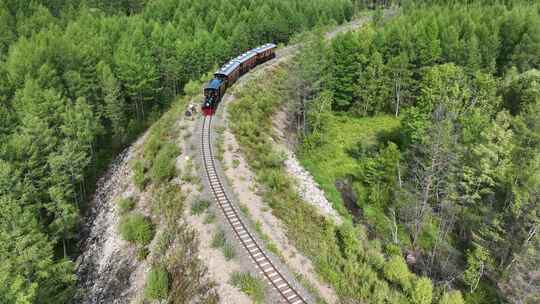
(263, 262)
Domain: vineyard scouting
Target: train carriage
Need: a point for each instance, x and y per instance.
(229, 73)
(247, 61)
(265, 52)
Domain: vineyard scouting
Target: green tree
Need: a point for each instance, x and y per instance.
(115, 108)
(422, 291)
(396, 271)
(478, 262)
(29, 271)
(344, 70)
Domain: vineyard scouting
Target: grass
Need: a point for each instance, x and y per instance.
(218, 240)
(136, 228)
(157, 284)
(228, 251)
(139, 178)
(163, 167)
(210, 218)
(330, 160)
(250, 285)
(199, 206)
(125, 205)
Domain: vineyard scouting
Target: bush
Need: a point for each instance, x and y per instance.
(199, 206)
(452, 297)
(163, 167)
(228, 251)
(396, 271)
(138, 175)
(157, 284)
(125, 205)
(142, 253)
(422, 292)
(219, 239)
(152, 146)
(136, 228)
(210, 218)
(250, 285)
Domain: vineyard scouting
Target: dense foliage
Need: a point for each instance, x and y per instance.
(343, 255)
(80, 79)
(454, 187)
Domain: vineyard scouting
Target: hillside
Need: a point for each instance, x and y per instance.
(80, 80)
(423, 131)
(389, 154)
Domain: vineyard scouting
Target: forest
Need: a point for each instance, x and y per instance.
(79, 80)
(430, 123)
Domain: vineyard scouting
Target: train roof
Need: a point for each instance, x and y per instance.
(264, 47)
(214, 84)
(246, 56)
(228, 68)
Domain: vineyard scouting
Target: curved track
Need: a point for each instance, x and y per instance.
(246, 238)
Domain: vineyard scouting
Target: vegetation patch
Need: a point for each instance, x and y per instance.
(199, 206)
(138, 174)
(157, 284)
(219, 240)
(250, 285)
(136, 228)
(163, 166)
(335, 158)
(178, 276)
(336, 251)
(425, 126)
(125, 205)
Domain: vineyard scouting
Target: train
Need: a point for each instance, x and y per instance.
(230, 72)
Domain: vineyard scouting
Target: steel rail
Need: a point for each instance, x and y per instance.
(242, 233)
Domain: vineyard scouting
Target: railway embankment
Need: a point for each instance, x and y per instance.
(180, 243)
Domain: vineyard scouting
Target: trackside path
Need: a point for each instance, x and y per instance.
(258, 256)
(275, 272)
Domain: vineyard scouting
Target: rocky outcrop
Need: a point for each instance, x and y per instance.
(309, 189)
(107, 263)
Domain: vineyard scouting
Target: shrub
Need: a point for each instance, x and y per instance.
(250, 285)
(125, 205)
(452, 297)
(228, 251)
(157, 284)
(422, 291)
(168, 202)
(136, 228)
(163, 167)
(152, 146)
(219, 239)
(210, 218)
(392, 249)
(138, 175)
(199, 206)
(164, 240)
(396, 271)
(142, 253)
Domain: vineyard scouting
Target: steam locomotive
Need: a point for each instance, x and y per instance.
(229, 73)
